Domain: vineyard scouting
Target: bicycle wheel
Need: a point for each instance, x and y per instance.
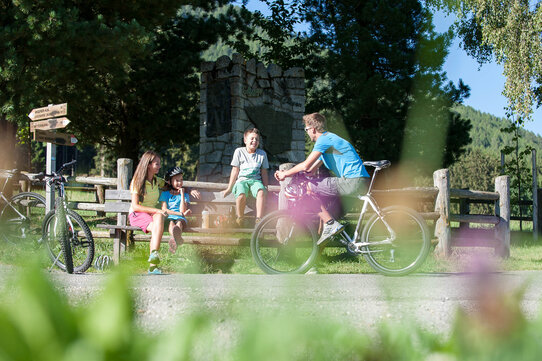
(80, 240)
(404, 254)
(283, 244)
(55, 235)
(22, 217)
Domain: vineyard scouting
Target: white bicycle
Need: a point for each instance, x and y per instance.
(395, 240)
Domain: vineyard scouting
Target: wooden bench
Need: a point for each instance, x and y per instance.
(118, 202)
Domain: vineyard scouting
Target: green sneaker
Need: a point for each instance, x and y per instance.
(154, 258)
(153, 270)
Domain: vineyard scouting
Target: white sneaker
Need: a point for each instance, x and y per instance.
(329, 231)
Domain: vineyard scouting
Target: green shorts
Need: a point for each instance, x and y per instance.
(248, 186)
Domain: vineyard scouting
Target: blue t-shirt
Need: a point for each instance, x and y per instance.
(173, 202)
(340, 156)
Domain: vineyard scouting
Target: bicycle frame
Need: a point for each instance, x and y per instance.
(7, 200)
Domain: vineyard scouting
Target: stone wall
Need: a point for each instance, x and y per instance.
(236, 94)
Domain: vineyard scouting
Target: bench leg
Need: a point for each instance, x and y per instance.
(119, 245)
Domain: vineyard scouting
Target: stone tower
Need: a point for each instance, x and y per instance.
(237, 94)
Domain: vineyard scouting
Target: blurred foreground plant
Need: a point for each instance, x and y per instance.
(38, 323)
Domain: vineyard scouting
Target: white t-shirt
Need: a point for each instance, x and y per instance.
(249, 164)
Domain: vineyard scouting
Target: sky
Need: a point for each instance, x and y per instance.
(486, 82)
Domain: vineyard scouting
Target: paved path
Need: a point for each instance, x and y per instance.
(361, 300)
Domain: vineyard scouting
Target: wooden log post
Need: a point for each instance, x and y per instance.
(538, 195)
(124, 175)
(283, 201)
(535, 198)
(442, 206)
(464, 209)
(502, 210)
(100, 197)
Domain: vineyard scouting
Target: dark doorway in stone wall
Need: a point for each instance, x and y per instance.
(275, 128)
(218, 108)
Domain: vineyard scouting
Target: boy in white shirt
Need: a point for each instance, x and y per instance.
(248, 175)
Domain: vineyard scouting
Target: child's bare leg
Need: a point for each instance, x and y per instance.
(240, 204)
(178, 232)
(156, 227)
(260, 203)
(172, 242)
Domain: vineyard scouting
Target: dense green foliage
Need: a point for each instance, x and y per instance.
(127, 71)
(508, 31)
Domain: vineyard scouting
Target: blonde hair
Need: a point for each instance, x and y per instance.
(140, 174)
(316, 121)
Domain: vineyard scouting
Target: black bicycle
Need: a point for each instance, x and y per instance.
(65, 233)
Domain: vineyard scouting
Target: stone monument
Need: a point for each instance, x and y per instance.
(237, 94)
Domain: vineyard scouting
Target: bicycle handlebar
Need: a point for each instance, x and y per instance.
(56, 176)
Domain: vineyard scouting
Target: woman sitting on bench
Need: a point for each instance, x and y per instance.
(145, 189)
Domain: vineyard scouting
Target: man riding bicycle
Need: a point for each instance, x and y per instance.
(339, 156)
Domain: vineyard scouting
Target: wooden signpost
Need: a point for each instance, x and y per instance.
(44, 131)
(49, 111)
(55, 138)
(53, 123)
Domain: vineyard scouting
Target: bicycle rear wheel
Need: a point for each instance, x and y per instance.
(22, 217)
(281, 243)
(409, 249)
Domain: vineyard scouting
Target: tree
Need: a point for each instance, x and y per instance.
(381, 70)
(128, 70)
(508, 31)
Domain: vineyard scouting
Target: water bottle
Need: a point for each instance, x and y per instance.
(205, 219)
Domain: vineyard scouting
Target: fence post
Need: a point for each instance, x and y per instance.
(443, 232)
(464, 208)
(124, 174)
(502, 210)
(539, 198)
(100, 197)
(283, 202)
(535, 198)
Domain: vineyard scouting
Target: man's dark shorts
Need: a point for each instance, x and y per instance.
(334, 186)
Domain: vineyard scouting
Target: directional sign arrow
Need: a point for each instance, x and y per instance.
(55, 138)
(53, 123)
(49, 111)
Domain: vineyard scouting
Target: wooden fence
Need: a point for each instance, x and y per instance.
(475, 230)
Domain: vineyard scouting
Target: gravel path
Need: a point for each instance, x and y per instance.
(360, 300)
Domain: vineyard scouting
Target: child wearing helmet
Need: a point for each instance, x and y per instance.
(175, 201)
(248, 175)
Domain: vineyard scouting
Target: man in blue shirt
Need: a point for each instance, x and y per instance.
(339, 156)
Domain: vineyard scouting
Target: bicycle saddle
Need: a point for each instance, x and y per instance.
(381, 164)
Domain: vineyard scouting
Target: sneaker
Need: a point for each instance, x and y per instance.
(154, 258)
(240, 221)
(329, 231)
(154, 271)
(258, 220)
(312, 271)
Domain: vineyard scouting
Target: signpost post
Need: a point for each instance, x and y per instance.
(44, 132)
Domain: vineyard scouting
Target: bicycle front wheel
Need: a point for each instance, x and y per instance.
(406, 252)
(282, 243)
(22, 217)
(56, 230)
